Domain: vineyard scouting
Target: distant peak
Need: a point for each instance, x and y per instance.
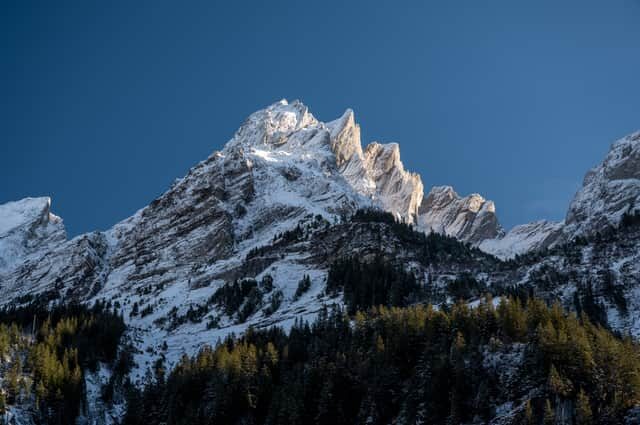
(609, 190)
(18, 213)
(471, 218)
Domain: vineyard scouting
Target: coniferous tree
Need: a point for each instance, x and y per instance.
(528, 414)
(584, 415)
(549, 415)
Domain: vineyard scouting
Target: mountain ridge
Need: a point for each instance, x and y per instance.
(248, 238)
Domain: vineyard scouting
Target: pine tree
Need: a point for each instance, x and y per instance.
(41, 391)
(13, 379)
(326, 410)
(459, 379)
(549, 416)
(379, 345)
(584, 415)
(528, 413)
(557, 384)
(303, 286)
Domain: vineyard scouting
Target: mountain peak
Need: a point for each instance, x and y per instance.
(345, 138)
(471, 218)
(26, 212)
(289, 130)
(269, 126)
(26, 226)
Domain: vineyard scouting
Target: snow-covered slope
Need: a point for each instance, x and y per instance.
(524, 238)
(608, 191)
(470, 219)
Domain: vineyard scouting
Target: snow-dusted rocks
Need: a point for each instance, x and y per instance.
(27, 226)
(608, 190)
(524, 238)
(470, 219)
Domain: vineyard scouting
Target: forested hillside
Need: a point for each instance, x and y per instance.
(407, 365)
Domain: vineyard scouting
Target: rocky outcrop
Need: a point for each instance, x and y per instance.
(471, 218)
(398, 191)
(345, 143)
(608, 190)
(377, 172)
(75, 270)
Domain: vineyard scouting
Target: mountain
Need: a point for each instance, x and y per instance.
(282, 172)
(255, 235)
(282, 167)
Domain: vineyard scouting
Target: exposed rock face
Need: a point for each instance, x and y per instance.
(524, 238)
(470, 219)
(398, 191)
(377, 172)
(608, 191)
(73, 270)
(345, 142)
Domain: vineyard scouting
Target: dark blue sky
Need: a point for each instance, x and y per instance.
(102, 105)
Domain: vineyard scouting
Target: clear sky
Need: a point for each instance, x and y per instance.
(104, 104)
